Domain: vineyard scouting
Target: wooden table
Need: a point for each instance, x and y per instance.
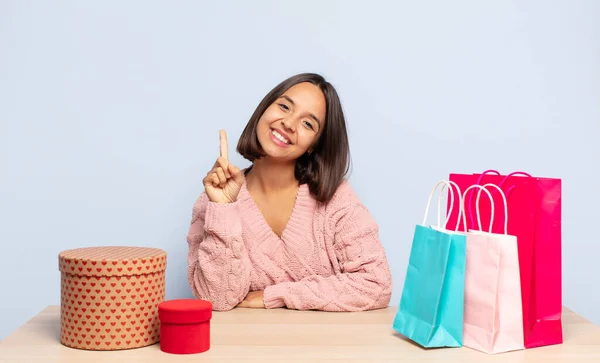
(246, 335)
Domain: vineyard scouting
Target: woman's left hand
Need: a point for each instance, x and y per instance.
(254, 299)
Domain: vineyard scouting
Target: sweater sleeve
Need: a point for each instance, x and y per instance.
(218, 262)
(364, 281)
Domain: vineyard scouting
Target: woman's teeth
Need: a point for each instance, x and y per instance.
(279, 137)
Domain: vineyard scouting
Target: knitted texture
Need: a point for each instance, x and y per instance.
(329, 256)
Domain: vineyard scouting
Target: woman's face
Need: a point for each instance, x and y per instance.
(291, 125)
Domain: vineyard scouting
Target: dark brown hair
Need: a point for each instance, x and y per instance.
(326, 165)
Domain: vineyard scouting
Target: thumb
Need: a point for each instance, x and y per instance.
(236, 174)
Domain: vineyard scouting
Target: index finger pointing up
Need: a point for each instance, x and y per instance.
(223, 144)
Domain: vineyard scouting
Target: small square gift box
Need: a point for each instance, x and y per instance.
(110, 297)
(185, 326)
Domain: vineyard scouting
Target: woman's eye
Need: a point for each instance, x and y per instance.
(309, 125)
(284, 107)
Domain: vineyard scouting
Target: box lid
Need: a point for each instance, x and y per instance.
(184, 311)
(112, 261)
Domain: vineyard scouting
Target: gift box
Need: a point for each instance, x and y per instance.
(110, 297)
(185, 326)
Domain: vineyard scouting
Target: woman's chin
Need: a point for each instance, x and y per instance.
(278, 157)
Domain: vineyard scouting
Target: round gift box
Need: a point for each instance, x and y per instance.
(110, 297)
(185, 326)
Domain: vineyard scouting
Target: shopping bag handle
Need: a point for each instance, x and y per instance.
(522, 173)
(503, 200)
(477, 207)
(492, 171)
(451, 191)
(489, 171)
(513, 174)
(478, 182)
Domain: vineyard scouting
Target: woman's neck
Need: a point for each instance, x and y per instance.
(269, 176)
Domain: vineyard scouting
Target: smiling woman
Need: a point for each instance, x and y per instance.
(289, 231)
(306, 108)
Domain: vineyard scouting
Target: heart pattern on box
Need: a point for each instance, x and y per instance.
(111, 312)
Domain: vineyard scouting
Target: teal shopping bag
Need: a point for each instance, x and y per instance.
(432, 302)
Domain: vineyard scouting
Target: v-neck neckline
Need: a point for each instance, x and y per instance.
(300, 194)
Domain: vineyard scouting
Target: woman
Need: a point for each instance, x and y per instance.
(289, 231)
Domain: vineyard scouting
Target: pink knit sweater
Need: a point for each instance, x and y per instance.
(328, 258)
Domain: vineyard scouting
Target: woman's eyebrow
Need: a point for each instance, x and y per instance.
(289, 99)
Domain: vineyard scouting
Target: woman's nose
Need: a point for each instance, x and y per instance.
(288, 124)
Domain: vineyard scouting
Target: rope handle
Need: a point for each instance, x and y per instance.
(477, 202)
(496, 172)
(449, 185)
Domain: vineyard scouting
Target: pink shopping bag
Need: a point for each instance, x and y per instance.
(535, 210)
(493, 319)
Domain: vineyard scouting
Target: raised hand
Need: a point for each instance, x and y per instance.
(224, 181)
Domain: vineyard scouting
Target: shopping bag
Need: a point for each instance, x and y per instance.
(535, 210)
(432, 302)
(493, 318)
